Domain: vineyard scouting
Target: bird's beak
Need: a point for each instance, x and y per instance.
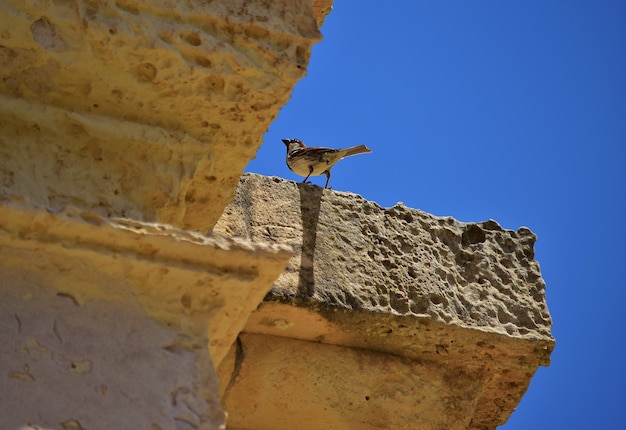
(285, 141)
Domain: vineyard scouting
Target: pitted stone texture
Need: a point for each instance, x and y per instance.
(144, 109)
(449, 311)
(353, 254)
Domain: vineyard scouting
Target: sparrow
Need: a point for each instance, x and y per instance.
(305, 161)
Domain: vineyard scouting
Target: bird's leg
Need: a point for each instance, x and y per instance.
(327, 178)
(307, 176)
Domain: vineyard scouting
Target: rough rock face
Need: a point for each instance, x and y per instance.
(144, 109)
(353, 254)
(456, 310)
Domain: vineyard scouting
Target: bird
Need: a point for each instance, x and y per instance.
(313, 161)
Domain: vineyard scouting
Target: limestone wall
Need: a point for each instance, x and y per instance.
(144, 109)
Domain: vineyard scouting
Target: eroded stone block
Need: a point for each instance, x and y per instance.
(464, 301)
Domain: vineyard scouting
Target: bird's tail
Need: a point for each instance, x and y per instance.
(361, 149)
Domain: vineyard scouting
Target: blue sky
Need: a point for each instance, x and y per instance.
(506, 110)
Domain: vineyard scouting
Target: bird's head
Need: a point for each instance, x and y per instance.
(293, 144)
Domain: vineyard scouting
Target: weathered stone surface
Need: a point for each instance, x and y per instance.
(99, 365)
(460, 305)
(144, 109)
(353, 254)
(109, 322)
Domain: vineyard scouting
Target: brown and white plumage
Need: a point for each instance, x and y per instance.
(314, 161)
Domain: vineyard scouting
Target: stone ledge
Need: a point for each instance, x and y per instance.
(460, 305)
(124, 318)
(353, 254)
(215, 281)
(485, 373)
